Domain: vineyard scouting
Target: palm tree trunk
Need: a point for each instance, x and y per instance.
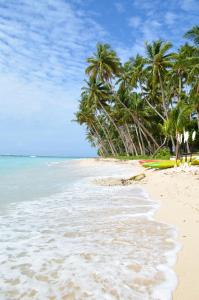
(138, 138)
(177, 151)
(112, 148)
(112, 121)
(198, 118)
(126, 138)
(160, 147)
(136, 120)
(141, 139)
(180, 88)
(163, 96)
(173, 145)
(147, 140)
(148, 133)
(187, 146)
(119, 148)
(101, 142)
(157, 112)
(133, 145)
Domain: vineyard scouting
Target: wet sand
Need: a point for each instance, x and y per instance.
(178, 194)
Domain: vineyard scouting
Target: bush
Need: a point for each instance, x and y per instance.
(163, 153)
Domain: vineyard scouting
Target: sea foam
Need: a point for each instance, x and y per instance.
(87, 242)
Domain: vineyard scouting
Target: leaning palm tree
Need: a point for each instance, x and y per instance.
(177, 122)
(86, 115)
(193, 34)
(124, 107)
(192, 65)
(125, 76)
(138, 74)
(128, 102)
(104, 64)
(158, 61)
(194, 95)
(98, 95)
(180, 70)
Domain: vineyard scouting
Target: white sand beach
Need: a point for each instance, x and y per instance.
(179, 198)
(178, 194)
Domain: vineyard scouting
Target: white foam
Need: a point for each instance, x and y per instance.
(88, 242)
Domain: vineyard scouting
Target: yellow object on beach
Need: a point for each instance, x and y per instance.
(164, 164)
(160, 164)
(195, 162)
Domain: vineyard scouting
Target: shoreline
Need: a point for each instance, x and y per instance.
(177, 194)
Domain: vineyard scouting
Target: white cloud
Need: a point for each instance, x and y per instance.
(43, 45)
(46, 39)
(170, 18)
(134, 22)
(127, 52)
(36, 119)
(151, 30)
(22, 100)
(119, 7)
(190, 5)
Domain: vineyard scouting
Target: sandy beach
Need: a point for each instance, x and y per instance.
(179, 206)
(179, 198)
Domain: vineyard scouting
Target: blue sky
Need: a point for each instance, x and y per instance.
(43, 47)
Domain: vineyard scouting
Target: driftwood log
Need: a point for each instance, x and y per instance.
(133, 178)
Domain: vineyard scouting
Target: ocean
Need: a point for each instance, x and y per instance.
(64, 237)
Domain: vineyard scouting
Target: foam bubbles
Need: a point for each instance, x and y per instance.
(88, 242)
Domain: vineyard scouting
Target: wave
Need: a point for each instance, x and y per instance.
(88, 242)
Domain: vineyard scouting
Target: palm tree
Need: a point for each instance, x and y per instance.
(124, 107)
(193, 34)
(98, 95)
(129, 103)
(180, 68)
(104, 64)
(125, 76)
(138, 73)
(177, 122)
(192, 65)
(158, 61)
(86, 115)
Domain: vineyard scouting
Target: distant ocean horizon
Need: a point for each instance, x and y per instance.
(63, 237)
(45, 156)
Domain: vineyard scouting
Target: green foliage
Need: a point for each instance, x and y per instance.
(137, 157)
(132, 110)
(193, 34)
(163, 153)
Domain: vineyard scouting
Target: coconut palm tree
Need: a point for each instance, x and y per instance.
(158, 61)
(98, 95)
(180, 69)
(129, 102)
(193, 34)
(192, 65)
(104, 64)
(138, 107)
(176, 123)
(86, 115)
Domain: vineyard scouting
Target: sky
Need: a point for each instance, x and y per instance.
(43, 49)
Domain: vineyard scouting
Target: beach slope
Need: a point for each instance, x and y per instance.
(179, 198)
(178, 195)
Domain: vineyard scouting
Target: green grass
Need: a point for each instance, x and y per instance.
(138, 157)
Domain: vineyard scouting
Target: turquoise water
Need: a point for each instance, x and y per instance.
(11, 164)
(29, 178)
(64, 237)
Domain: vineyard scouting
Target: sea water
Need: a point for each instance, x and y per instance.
(64, 237)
